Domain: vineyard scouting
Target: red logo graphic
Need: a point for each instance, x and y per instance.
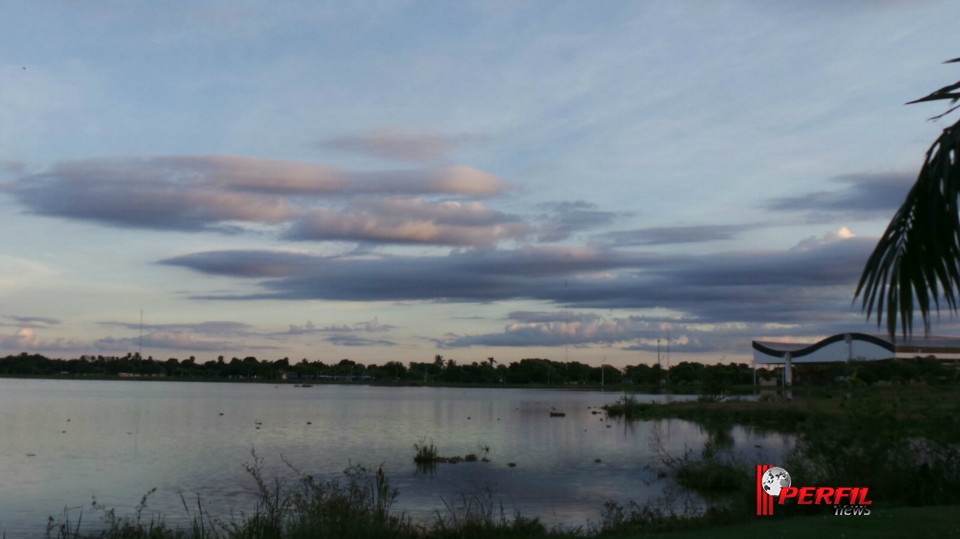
(773, 481)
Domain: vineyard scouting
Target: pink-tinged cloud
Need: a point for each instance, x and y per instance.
(399, 227)
(393, 144)
(298, 177)
(26, 340)
(313, 202)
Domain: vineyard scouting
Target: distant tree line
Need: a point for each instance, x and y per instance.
(533, 371)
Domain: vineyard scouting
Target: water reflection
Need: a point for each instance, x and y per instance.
(64, 442)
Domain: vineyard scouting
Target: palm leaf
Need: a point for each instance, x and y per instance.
(917, 260)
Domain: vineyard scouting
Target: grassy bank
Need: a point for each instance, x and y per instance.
(903, 443)
(895, 523)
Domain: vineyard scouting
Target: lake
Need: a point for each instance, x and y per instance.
(66, 442)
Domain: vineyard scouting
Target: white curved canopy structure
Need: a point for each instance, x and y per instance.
(841, 347)
(851, 347)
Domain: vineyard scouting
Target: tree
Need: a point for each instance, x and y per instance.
(917, 260)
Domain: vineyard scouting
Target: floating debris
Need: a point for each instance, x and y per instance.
(512, 464)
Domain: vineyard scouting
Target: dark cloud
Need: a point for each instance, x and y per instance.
(32, 321)
(391, 144)
(564, 219)
(471, 275)
(863, 196)
(248, 264)
(673, 235)
(806, 284)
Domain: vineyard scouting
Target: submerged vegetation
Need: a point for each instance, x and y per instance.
(427, 456)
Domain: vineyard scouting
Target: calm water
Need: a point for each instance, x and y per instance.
(64, 442)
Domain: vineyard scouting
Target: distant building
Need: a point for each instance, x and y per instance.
(852, 347)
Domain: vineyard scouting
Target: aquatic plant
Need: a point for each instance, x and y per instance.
(477, 515)
(425, 453)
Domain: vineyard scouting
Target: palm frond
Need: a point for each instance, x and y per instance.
(917, 260)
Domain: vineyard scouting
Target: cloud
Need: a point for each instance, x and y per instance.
(542, 317)
(631, 333)
(207, 336)
(556, 333)
(564, 219)
(392, 144)
(12, 167)
(470, 275)
(863, 196)
(32, 321)
(410, 221)
(173, 340)
(25, 339)
(223, 328)
(370, 326)
(812, 242)
(669, 235)
(311, 201)
(353, 340)
(143, 194)
(808, 284)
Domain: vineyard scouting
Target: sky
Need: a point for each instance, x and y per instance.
(378, 181)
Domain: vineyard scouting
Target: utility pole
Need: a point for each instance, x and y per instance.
(668, 357)
(659, 365)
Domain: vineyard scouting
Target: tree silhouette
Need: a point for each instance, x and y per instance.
(917, 260)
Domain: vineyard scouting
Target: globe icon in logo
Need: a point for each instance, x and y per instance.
(774, 479)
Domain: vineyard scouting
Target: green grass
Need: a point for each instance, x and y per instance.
(901, 522)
